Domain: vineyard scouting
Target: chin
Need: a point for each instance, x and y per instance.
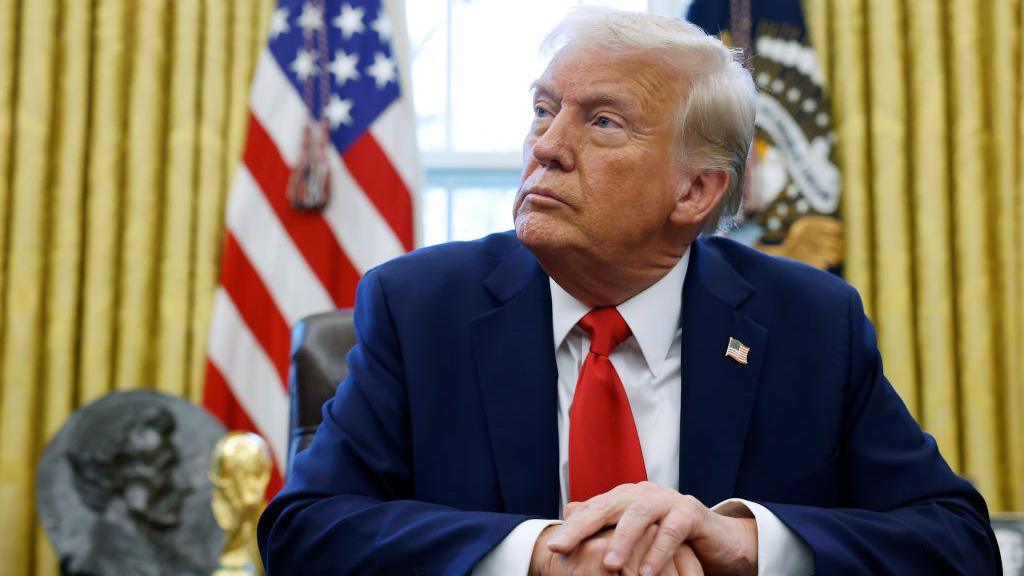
(543, 233)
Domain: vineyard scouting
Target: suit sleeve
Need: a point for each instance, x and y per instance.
(349, 506)
(905, 511)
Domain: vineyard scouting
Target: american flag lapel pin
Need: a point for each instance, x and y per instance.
(737, 351)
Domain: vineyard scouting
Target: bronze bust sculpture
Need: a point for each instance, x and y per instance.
(123, 488)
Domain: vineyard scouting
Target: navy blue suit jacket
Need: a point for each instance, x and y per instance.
(443, 437)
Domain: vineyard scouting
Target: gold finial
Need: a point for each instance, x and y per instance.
(239, 470)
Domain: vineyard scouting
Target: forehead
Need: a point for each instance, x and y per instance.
(582, 72)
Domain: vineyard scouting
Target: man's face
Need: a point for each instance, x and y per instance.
(155, 485)
(599, 170)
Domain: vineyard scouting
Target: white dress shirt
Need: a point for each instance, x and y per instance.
(649, 365)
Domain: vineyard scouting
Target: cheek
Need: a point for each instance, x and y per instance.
(631, 193)
(618, 181)
(136, 497)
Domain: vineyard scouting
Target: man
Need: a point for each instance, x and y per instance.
(697, 371)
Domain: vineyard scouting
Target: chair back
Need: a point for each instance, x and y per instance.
(320, 345)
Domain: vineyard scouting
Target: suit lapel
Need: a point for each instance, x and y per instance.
(718, 393)
(515, 360)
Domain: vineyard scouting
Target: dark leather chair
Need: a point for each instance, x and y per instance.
(320, 345)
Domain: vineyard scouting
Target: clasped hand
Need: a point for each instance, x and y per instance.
(644, 529)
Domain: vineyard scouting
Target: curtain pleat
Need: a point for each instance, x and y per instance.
(142, 221)
(24, 297)
(1015, 394)
(890, 213)
(8, 66)
(174, 304)
(243, 19)
(1004, 110)
(105, 170)
(64, 262)
(213, 184)
(847, 27)
(972, 191)
(932, 226)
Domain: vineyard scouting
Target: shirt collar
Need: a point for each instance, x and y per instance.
(652, 315)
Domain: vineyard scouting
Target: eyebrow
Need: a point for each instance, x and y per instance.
(593, 99)
(615, 100)
(537, 87)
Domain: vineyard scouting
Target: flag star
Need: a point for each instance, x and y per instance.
(279, 23)
(382, 70)
(338, 111)
(312, 18)
(304, 64)
(350, 21)
(382, 26)
(344, 67)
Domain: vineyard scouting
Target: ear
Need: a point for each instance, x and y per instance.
(698, 197)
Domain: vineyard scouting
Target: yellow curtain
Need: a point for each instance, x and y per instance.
(121, 122)
(929, 98)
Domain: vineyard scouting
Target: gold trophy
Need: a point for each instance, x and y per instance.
(239, 470)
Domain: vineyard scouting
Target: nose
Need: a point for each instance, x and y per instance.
(553, 148)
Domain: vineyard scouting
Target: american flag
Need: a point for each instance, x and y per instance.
(737, 351)
(328, 65)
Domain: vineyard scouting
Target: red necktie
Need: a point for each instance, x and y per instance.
(604, 449)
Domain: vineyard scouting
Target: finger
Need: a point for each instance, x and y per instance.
(676, 527)
(569, 509)
(588, 518)
(669, 570)
(631, 526)
(640, 550)
(587, 558)
(686, 562)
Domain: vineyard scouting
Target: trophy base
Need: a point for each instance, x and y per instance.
(246, 570)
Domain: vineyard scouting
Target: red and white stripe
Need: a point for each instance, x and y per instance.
(280, 265)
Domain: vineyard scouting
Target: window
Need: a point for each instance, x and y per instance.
(472, 64)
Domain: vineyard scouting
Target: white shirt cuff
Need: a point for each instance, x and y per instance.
(780, 552)
(511, 557)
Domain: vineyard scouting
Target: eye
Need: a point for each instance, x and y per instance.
(541, 112)
(605, 122)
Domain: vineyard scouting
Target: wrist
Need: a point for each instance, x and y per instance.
(737, 525)
(541, 558)
(746, 552)
(752, 550)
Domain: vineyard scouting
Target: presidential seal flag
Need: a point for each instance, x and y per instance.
(323, 193)
(791, 200)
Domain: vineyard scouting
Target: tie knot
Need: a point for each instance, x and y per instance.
(607, 329)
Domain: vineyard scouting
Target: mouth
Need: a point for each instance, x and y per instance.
(541, 196)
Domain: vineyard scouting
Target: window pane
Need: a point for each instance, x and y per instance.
(428, 40)
(433, 210)
(477, 212)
